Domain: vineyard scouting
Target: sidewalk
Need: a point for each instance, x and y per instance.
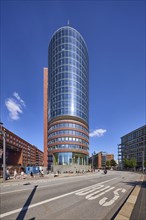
(139, 211)
(135, 206)
(46, 177)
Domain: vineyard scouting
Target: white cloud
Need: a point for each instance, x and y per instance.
(15, 106)
(98, 132)
(15, 94)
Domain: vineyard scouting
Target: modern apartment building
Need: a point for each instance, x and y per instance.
(19, 152)
(133, 145)
(66, 134)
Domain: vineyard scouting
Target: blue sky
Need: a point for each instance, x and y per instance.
(115, 35)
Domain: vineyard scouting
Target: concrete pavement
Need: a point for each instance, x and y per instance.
(131, 210)
(139, 211)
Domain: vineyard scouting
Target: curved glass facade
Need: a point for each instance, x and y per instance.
(70, 158)
(72, 132)
(68, 138)
(68, 74)
(68, 146)
(68, 125)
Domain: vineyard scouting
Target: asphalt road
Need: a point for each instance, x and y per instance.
(94, 196)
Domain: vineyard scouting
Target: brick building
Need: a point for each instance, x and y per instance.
(19, 152)
(98, 160)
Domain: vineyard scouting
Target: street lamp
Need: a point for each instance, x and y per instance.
(92, 161)
(143, 152)
(3, 133)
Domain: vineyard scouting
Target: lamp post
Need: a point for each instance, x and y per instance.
(143, 152)
(92, 161)
(3, 133)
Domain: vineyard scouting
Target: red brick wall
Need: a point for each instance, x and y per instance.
(45, 116)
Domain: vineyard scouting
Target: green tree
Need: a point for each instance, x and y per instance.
(108, 163)
(126, 163)
(132, 163)
(113, 163)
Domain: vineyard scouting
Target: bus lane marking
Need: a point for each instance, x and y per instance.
(51, 199)
(94, 196)
(94, 192)
(110, 202)
(86, 191)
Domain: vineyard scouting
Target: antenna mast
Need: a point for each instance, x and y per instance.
(68, 22)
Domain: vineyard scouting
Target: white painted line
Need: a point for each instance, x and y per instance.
(39, 187)
(103, 201)
(96, 192)
(88, 190)
(91, 196)
(48, 200)
(20, 190)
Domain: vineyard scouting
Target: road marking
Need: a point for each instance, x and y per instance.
(93, 193)
(48, 200)
(103, 201)
(91, 196)
(88, 190)
(20, 190)
(30, 188)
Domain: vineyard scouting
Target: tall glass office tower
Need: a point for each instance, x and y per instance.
(68, 134)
